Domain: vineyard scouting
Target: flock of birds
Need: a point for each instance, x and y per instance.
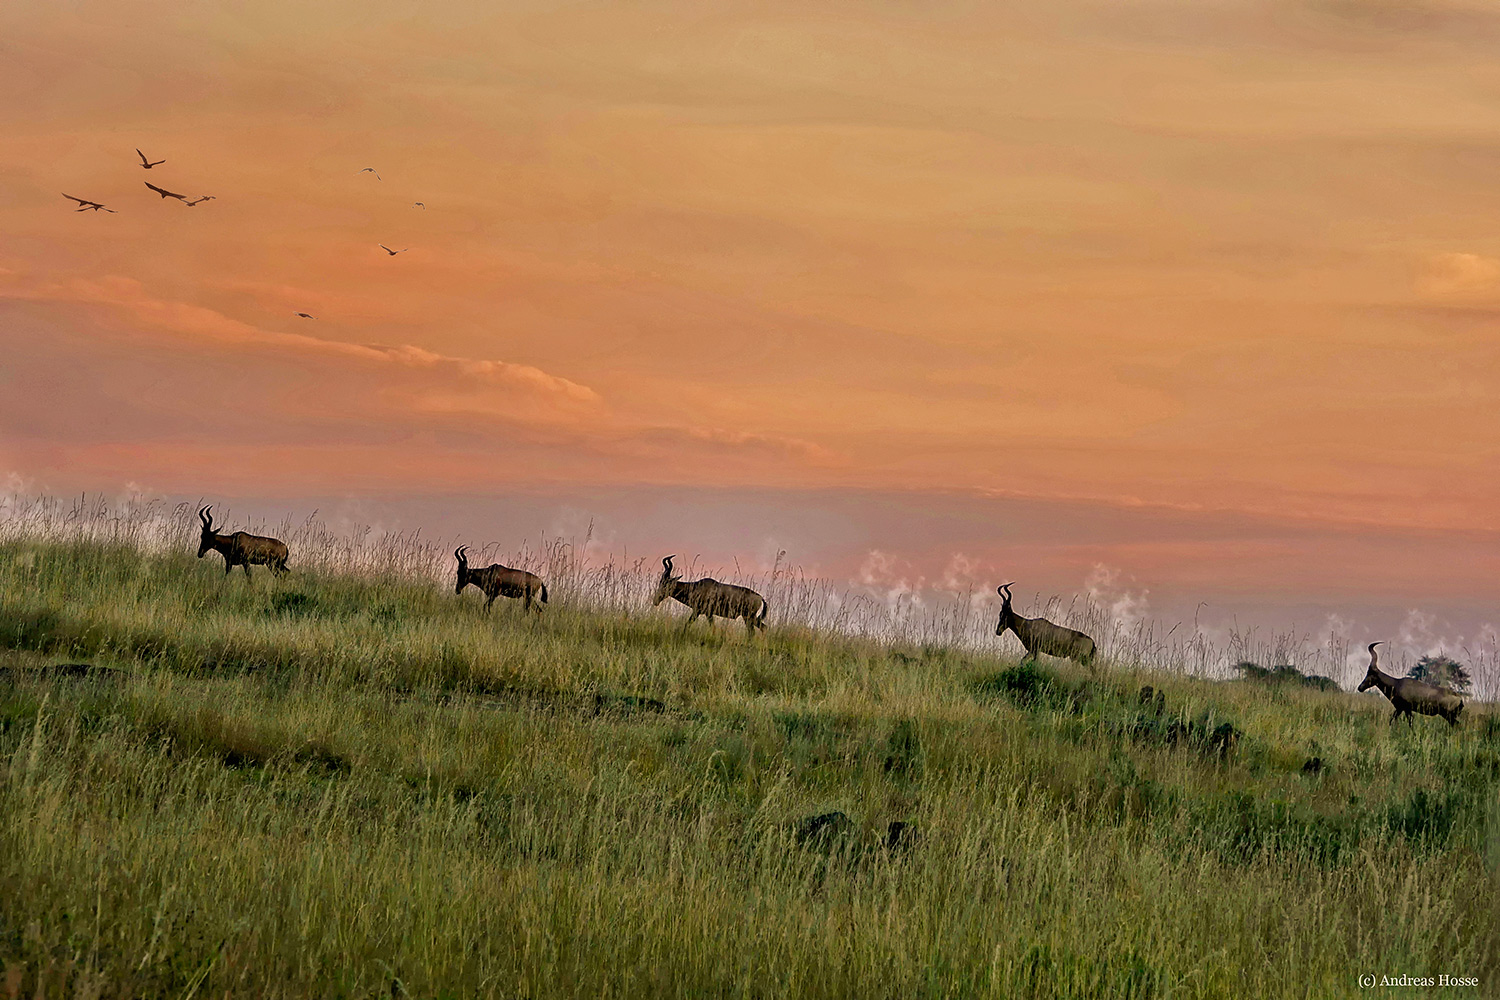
(86, 205)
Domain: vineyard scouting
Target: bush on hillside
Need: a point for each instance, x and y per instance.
(1443, 671)
(1031, 685)
(1285, 674)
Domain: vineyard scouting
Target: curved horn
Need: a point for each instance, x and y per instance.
(1001, 590)
(666, 565)
(206, 517)
(1374, 656)
(459, 553)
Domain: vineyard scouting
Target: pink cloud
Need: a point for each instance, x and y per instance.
(201, 323)
(560, 426)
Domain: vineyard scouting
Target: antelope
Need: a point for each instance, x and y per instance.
(499, 580)
(1410, 695)
(1039, 635)
(241, 548)
(711, 598)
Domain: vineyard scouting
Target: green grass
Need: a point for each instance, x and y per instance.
(355, 787)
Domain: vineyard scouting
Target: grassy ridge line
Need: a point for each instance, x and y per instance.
(952, 619)
(168, 611)
(313, 828)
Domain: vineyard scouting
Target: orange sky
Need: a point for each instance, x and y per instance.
(1197, 253)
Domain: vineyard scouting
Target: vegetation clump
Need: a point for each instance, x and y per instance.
(1284, 674)
(1443, 671)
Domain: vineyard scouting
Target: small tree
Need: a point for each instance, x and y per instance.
(1443, 671)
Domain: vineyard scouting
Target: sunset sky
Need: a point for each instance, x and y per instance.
(1203, 293)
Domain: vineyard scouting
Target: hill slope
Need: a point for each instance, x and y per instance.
(344, 786)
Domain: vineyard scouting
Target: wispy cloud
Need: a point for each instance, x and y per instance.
(891, 579)
(1462, 276)
(1127, 608)
(721, 439)
(373, 388)
(202, 324)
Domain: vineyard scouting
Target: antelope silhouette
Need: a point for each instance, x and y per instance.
(1039, 635)
(241, 548)
(711, 598)
(1408, 695)
(500, 581)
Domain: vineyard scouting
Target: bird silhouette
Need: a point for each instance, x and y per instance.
(167, 194)
(148, 164)
(390, 251)
(370, 170)
(207, 197)
(84, 205)
(305, 315)
(417, 204)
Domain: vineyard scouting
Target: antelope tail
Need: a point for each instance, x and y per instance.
(544, 593)
(765, 606)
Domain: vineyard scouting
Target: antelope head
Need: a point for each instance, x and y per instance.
(664, 585)
(206, 540)
(463, 569)
(1006, 613)
(1369, 680)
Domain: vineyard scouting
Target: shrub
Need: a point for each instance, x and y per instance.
(1032, 686)
(1284, 674)
(1442, 671)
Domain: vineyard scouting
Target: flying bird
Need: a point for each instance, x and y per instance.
(417, 204)
(390, 251)
(167, 194)
(305, 315)
(148, 164)
(207, 197)
(85, 205)
(370, 170)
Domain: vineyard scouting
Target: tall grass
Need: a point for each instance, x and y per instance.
(350, 782)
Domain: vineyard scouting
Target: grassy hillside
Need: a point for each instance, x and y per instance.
(341, 786)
